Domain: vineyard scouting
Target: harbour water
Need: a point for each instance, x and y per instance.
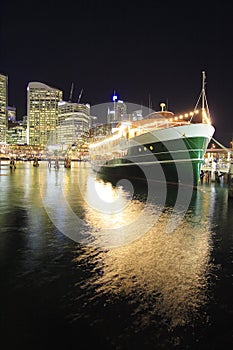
(77, 275)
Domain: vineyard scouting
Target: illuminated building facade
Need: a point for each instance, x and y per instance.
(16, 135)
(3, 106)
(100, 131)
(73, 123)
(118, 113)
(42, 112)
(11, 114)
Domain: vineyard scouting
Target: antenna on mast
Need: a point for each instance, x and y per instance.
(71, 92)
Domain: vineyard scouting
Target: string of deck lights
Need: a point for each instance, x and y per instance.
(118, 135)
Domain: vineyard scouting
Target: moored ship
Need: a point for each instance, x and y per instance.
(160, 147)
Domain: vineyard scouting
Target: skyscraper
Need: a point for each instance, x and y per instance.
(73, 122)
(118, 113)
(3, 106)
(42, 111)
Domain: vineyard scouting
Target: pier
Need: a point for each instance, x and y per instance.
(218, 167)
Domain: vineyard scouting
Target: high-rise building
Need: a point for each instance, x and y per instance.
(42, 112)
(3, 106)
(118, 113)
(73, 123)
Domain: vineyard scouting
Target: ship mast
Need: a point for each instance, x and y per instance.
(205, 108)
(204, 105)
(203, 91)
(203, 112)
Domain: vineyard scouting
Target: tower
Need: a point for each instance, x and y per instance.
(42, 111)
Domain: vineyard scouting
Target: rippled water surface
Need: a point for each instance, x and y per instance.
(87, 264)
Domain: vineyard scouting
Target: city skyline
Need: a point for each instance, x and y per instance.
(153, 51)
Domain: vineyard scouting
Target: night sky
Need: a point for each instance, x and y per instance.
(140, 49)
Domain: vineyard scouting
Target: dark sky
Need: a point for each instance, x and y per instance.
(140, 48)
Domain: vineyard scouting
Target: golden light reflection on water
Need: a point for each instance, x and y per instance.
(117, 217)
(108, 206)
(104, 198)
(167, 272)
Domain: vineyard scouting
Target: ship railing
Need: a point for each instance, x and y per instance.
(167, 124)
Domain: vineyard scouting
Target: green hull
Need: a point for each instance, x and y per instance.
(174, 161)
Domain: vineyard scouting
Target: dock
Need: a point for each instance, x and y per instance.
(218, 167)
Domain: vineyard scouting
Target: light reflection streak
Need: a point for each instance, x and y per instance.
(119, 220)
(167, 273)
(103, 197)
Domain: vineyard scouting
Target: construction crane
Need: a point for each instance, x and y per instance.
(80, 95)
(71, 92)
